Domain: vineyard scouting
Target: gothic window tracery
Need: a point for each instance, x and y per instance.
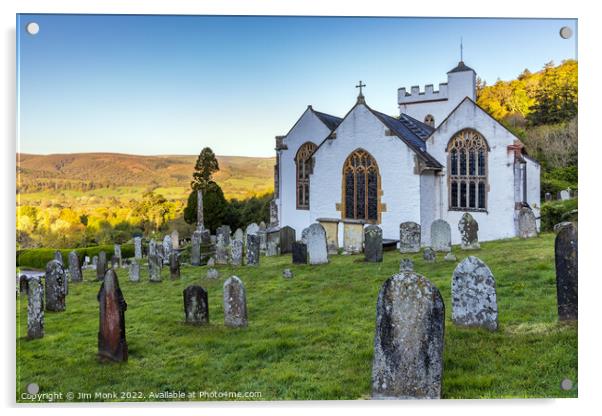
(467, 171)
(303, 163)
(361, 184)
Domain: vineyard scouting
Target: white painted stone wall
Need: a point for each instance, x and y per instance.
(428, 204)
(533, 188)
(400, 186)
(309, 128)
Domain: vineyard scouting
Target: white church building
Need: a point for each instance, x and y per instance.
(443, 156)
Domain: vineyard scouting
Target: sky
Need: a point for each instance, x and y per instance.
(174, 84)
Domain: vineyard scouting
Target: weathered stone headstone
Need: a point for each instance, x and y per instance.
(160, 253)
(409, 237)
(252, 229)
(152, 247)
(527, 226)
(299, 252)
(353, 236)
(406, 265)
(548, 197)
(565, 194)
(331, 226)
(225, 231)
(373, 243)
(175, 240)
(167, 248)
(263, 240)
(408, 345)
(236, 250)
(117, 253)
(235, 303)
(196, 305)
(35, 307)
(75, 269)
(565, 250)
(272, 242)
(469, 232)
(195, 252)
(58, 256)
(134, 271)
(154, 268)
(317, 253)
(252, 249)
(560, 225)
(474, 301)
(101, 266)
(174, 265)
(287, 238)
(441, 236)
(56, 286)
(114, 262)
(221, 249)
(429, 255)
(95, 264)
(287, 273)
(239, 235)
(450, 257)
(112, 344)
(212, 273)
(138, 248)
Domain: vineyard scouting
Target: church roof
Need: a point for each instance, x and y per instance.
(332, 122)
(461, 67)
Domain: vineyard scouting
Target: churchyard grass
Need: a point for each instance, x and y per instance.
(309, 337)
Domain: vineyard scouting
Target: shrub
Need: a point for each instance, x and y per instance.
(554, 212)
(38, 257)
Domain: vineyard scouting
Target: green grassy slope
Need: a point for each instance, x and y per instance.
(310, 337)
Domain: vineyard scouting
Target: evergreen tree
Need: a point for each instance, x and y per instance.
(214, 207)
(206, 165)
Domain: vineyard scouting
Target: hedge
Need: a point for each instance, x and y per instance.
(553, 212)
(37, 258)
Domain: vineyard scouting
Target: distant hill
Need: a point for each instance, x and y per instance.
(239, 176)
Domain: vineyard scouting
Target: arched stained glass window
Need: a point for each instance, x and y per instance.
(303, 162)
(467, 171)
(361, 183)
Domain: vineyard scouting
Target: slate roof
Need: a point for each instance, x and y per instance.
(461, 67)
(332, 122)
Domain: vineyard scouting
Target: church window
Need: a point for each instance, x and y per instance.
(429, 120)
(361, 184)
(467, 171)
(303, 162)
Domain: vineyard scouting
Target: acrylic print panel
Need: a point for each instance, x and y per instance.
(149, 146)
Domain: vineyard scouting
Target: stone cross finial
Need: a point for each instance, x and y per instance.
(360, 86)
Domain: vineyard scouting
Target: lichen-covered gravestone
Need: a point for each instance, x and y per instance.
(236, 249)
(299, 252)
(117, 253)
(565, 250)
(35, 307)
(527, 225)
(56, 286)
(252, 249)
(195, 252)
(152, 247)
(134, 271)
(317, 250)
(429, 255)
(112, 344)
(474, 301)
(75, 269)
(373, 243)
(196, 305)
(408, 345)
(101, 266)
(137, 248)
(238, 235)
(167, 248)
(235, 303)
(174, 265)
(409, 237)
(406, 265)
(441, 236)
(469, 232)
(221, 249)
(154, 268)
(58, 256)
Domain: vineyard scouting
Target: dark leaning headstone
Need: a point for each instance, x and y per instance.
(441, 236)
(154, 268)
(429, 255)
(565, 251)
(373, 243)
(56, 286)
(409, 237)
(299, 253)
(252, 249)
(196, 305)
(408, 345)
(469, 232)
(35, 308)
(235, 303)
(527, 225)
(112, 344)
(75, 269)
(474, 300)
(287, 238)
(174, 265)
(101, 266)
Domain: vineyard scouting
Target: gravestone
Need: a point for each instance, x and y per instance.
(560, 225)
(58, 256)
(160, 253)
(174, 265)
(196, 305)
(287, 273)
(239, 235)
(565, 194)
(331, 226)
(134, 271)
(450, 257)
(287, 238)
(212, 273)
(409, 237)
(221, 249)
(235, 303)
(299, 252)
(236, 250)
(112, 344)
(117, 253)
(408, 344)
(373, 243)
(75, 269)
(272, 242)
(114, 262)
(474, 301)
(23, 284)
(86, 261)
(167, 248)
(225, 231)
(154, 268)
(35, 307)
(469, 232)
(95, 264)
(175, 240)
(406, 265)
(429, 255)
(317, 252)
(548, 197)
(152, 247)
(565, 250)
(195, 252)
(252, 229)
(441, 236)
(56, 286)
(101, 266)
(138, 248)
(353, 236)
(263, 238)
(252, 249)
(527, 226)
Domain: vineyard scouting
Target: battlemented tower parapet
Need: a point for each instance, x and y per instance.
(415, 95)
